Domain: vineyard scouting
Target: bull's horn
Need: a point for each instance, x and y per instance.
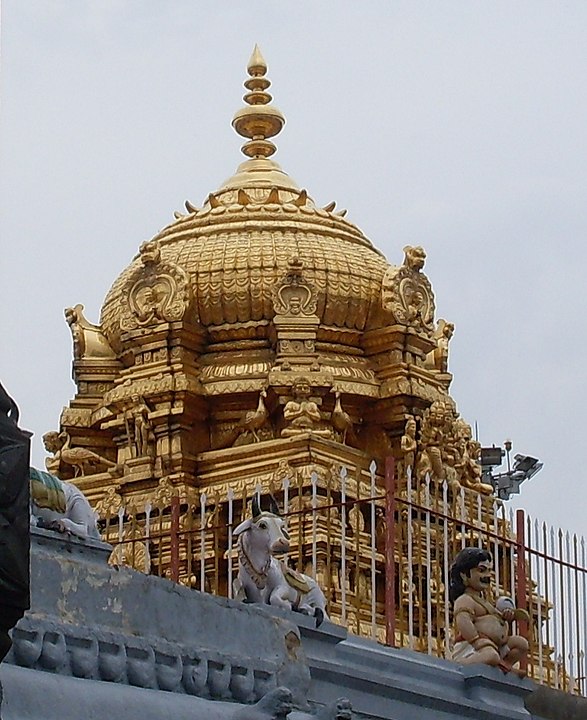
(255, 506)
(273, 506)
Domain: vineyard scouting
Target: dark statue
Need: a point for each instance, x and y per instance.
(14, 520)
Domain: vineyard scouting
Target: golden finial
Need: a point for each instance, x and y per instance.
(259, 120)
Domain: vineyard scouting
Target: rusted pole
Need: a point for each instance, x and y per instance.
(521, 584)
(175, 538)
(390, 551)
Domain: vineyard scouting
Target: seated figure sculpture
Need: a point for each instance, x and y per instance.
(482, 629)
(302, 414)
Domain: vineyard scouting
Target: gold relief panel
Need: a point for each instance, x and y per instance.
(76, 417)
(213, 373)
(406, 292)
(157, 291)
(294, 295)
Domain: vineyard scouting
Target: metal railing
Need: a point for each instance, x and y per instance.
(380, 546)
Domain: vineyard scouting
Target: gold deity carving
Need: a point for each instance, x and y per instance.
(141, 440)
(302, 414)
(437, 359)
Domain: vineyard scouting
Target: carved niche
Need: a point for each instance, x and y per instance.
(157, 291)
(406, 292)
(294, 295)
(296, 323)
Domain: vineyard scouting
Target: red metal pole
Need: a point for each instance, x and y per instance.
(522, 583)
(175, 538)
(390, 551)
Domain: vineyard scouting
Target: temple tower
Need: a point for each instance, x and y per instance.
(260, 338)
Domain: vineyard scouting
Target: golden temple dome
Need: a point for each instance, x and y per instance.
(233, 251)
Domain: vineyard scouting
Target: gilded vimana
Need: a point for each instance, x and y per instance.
(261, 348)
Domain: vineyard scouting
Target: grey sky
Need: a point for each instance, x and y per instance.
(459, 126)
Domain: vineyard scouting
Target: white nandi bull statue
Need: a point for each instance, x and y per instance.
(61, 506)
(263, 578)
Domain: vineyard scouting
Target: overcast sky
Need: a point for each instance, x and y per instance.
(456, 125)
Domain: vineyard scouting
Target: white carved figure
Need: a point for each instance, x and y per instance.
(262, 577)
(61, 506)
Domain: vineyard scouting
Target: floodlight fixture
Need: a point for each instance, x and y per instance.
(491, 456)
(508, 483)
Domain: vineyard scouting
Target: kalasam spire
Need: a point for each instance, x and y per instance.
(259, 120)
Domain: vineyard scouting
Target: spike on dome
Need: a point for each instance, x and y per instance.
(259, 120)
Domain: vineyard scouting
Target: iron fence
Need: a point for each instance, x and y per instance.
(380, 546)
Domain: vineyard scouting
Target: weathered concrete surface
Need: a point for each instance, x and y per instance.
(91, 621)
(556, 705)
(391, 684)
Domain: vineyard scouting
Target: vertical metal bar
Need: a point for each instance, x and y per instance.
(329, 537)
(230, 527)
(120, 524)
(390, 480)
(447, 648)
(584, 624)
(372, 471)
(579, 674)
(428, 568)
(358, 514)
(570, 630)
(203, 542)
(555, 642)
(148, 508)
(189, 534)
(512, 551)
(410, 569)
(314, 480)
(343, 477)
(522, 584)
(539, 592)
(174, 538)
(561, 578)
(547, 637)
(496, 549)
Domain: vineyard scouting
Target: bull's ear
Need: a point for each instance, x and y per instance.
(273, 506)
(255, 506)
(245, 525)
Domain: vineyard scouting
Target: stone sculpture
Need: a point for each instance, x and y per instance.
(482, 629)
(265, 579)
(14, 520)
(60, 506)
